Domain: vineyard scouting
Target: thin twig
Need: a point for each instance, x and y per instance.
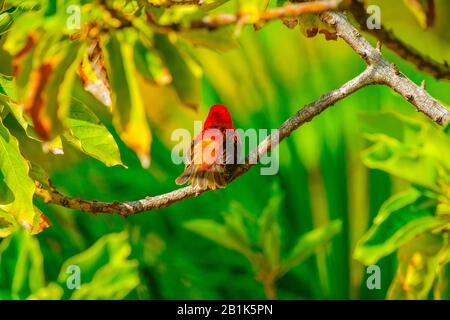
(378, 71)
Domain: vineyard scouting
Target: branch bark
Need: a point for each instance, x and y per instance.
(386, 73)
(391, 41)
(378, 71)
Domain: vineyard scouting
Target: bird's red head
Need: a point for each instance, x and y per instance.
(218, 117)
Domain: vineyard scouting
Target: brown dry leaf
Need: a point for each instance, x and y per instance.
(93, 75)
(17, 61)
(40, 223)
(311, 25)
(35, 102)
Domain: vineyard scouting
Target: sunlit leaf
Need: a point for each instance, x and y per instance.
(424, 10)
(442, 285)
(401, 218)
(93, 75)
(128, 106)
(51, 292)
(252, 8)
(7, 224)
(106, 271)
(88, 134)
(21, 265)
(409, 148)
(416, 272)
(14, 171)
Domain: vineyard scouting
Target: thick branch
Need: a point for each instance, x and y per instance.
(408, 53)
(379, 71)
(388, 74)
(151, 203)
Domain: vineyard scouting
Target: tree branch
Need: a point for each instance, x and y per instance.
(222, 20)
(388, 74)
(408, 53)
(378, 71)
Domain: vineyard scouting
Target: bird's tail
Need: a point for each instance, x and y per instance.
(212, 178)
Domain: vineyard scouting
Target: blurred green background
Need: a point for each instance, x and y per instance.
(272, 73)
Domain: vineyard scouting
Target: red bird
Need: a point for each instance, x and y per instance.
(214, 153)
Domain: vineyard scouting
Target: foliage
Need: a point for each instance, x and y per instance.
(93, 109)
(262, 247)
(107, 273)
(414, 222)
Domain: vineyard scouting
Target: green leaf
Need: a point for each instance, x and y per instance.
(129, 115)
(442, 285)
(185, 71)
(106, 271)
(235, 225)
(7, 86)
(269, 231)
(409, 148)
(110, 282)
(401, 218)
(51, 292)
(417, 263)
(150, 65)
(423, 10)
(37, 173)
(21, 265)
(7, 19)
(89, 135)
(220, 234)
(309, 243)
(7, 224)
(17, 185)
(60, 88)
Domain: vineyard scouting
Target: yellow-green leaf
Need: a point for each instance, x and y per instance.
(185, 71)
(129, 114)
(88, 134)
(14, 172)
(401, 218)
(417, 268)
(7, 224)
(423, 10)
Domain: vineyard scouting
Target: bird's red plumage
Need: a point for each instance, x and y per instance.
(218, 117)
(208, 167)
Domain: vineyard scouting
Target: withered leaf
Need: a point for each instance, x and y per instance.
(34, 104)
